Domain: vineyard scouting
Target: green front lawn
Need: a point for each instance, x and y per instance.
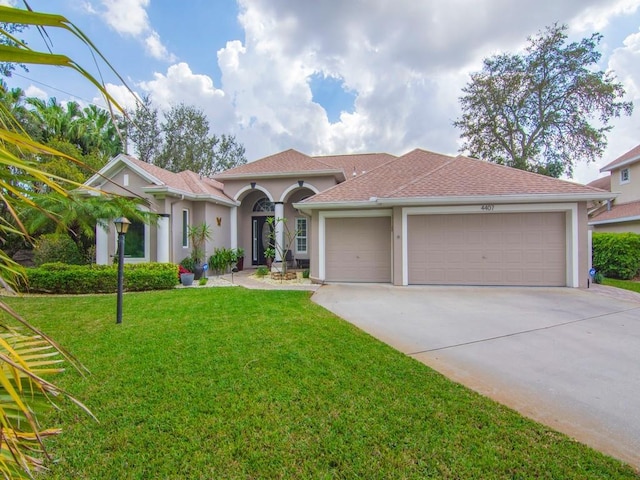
(625, 284)
(232, 383)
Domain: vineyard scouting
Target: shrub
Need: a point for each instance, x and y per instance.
(56, 247)
(189, 264)
(616, 255)
(203, 281)
(262, 271)
(76, 279)
(222, 259)
(305, 273)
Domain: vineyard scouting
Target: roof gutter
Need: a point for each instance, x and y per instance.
(616, 220)
(374, 202)
(620, 165)
(190, 196)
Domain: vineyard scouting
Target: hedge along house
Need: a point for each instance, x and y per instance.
(422, 218)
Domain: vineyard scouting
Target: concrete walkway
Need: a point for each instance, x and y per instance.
(246, 279)
(565, 357)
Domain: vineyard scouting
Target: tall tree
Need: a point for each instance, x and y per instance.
(542, 110)
(144, 131)
(187, 144)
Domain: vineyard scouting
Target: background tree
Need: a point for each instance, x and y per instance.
(542, 110)
(144, 131)
(183, 141)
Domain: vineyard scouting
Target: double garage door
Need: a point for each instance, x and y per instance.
(461, 249)
(488, 249)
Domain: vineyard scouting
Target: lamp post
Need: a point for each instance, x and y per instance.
(122, 225)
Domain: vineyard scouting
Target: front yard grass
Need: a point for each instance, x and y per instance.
(625, 284)
(233, 383)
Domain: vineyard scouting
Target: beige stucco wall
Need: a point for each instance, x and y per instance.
(276, 187)
(629, 192)
(396, 232)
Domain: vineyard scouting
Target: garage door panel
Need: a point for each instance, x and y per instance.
(488, 249)
(358, 249)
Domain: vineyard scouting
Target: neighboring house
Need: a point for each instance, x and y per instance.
(623, 213)
(422, 218)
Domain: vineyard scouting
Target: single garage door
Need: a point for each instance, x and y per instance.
(488, 249)
(358, 249)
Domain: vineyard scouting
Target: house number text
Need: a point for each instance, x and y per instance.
(487, 207)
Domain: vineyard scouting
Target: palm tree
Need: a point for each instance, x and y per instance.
(23, 356)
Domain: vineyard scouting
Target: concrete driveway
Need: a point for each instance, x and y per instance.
(565, 357)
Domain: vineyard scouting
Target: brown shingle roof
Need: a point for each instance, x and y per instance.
(289, 161)
(603, 183)
(423, 174)
(186, 181)
(359, 163)
(631, 156)
(618, 211)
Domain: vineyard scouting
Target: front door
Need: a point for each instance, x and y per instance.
(260, 235)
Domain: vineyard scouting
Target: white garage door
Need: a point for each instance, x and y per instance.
(488, 249)
(358, 249)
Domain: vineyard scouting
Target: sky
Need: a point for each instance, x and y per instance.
(324, 77)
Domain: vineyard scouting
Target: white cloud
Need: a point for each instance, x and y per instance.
(181, 85)
(597, 17)
(157, 49)
(129, 17)
(625, 61)
(33, 91)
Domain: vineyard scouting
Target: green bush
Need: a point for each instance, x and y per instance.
(262, 271)
(56, 247)
(222, 259)
(189, 263)
(616, 255)
(305, 273)
(75, 279)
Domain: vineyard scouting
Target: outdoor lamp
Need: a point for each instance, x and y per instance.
(122, 225)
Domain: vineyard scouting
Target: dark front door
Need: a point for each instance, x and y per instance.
(260, 232)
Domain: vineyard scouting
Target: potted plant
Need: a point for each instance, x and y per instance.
(269, 255)
(239, 258)
(185, 271)
(198, 236)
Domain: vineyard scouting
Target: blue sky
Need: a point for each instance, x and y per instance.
(337, 76)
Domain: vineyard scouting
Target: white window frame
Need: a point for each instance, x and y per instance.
(625, 176)
(305, 236)
(185, 228)
(147, 243)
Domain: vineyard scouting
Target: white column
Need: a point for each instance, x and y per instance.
(233, 225)
(163, 231)
(279, 218)
(102, 245)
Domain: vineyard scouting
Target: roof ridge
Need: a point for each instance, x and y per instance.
(424, 175)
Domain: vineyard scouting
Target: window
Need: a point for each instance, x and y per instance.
(301, 235)
(134, 244)
(185, 228)
(264, 205)
(624, 175)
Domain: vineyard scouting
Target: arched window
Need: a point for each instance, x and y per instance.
(264, 205)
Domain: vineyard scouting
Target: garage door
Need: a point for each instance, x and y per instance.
(358, 249)
(487, 249)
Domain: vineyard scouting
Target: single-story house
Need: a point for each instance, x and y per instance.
(621, 214)
(421, 218)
